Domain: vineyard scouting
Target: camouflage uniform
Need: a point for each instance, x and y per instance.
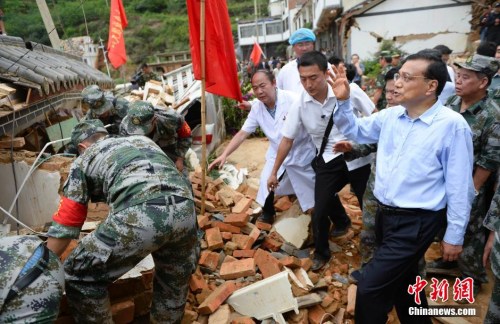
(367, 243)
(151, 211)
(39, 301)
(492, 223)
(380, 84)
(110, 111)
(483, 119)
(169, 130)
(145, 77)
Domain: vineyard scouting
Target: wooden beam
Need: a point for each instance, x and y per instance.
(16, 142)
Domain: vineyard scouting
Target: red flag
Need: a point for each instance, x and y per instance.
(221, 75)
(256, 54)
(116, 42)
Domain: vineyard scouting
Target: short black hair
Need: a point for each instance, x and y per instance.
(436, 70)
(487, 48)
(335, 60)
(390, 74)
(387, 59)
(144, 65)
(443, 49)
(350, 71)
(268, 74)
(313, 58)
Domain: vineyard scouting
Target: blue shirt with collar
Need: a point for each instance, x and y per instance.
(424, 162)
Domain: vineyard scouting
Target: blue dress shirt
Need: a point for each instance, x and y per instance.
(424, 162)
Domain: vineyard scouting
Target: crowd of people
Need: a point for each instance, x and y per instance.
(433, 130)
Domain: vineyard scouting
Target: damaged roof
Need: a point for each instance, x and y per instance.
(45, 69)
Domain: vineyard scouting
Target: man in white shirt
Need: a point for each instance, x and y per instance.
(313, 111)
(302, 41)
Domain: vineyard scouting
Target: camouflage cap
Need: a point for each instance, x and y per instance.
(94, 97)
(396, 54)
(385, 54)
(480, 63)
(139, 119)
(85, 129)
(121, 107)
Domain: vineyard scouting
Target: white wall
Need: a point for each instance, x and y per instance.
(38, 200)
(428, 28)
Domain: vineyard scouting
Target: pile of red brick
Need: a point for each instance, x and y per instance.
(237, 252)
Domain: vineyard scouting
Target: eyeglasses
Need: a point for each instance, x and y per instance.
(407, 77)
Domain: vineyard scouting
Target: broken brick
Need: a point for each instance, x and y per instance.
(290, 262)
(217, 297)
(203, 221)
(240, 240)
(214, 238)
(271, 244)
(263, 226)
(197, 281)
(227, 236)
(252, 237)
(316, 314)
(242, 205)
(209, 260)
(123, 312)
(225, 227)
(306, 263)
(237, 269)
(237, 219)
(268, 265)
(243, 253)
(243, 320)
(283, 204)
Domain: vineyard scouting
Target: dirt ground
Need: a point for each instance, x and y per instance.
(251, 155)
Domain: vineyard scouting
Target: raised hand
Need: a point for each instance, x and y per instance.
(339, 83)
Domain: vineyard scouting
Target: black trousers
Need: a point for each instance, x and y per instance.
(358, 179)
(402, 238)
(331, 177)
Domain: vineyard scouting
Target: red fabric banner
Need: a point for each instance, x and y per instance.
(116, 42)
(220, 61)
(256, 54)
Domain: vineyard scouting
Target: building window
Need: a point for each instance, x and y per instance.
(249, 31)
(285, 25)
(274, 28)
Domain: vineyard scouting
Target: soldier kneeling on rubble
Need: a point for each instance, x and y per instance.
(151, 211)
(164, 126)
(31, 281)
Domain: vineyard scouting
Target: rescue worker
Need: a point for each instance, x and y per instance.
(100, 107)
(144, 76)
(165, 127)
(482, 113)
(269, 113)
(151, 211)
(31, 281)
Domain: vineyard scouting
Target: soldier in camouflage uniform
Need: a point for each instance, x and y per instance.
(36, 273)
(164, 126)
(151, 211)
(482, 114)
(110, 111)
(145, 75)
(492, 252)
(379, 100)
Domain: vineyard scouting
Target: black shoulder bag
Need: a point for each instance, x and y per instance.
(314, 162)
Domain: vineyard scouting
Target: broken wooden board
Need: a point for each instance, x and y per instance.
(5, 89)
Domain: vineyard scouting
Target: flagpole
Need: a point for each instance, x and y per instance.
(203, 103)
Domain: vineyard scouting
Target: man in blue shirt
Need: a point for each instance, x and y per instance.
(423, 183)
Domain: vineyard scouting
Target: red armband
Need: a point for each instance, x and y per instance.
(184, 131)
(70, 213)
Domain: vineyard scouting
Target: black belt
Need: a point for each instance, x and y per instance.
(32, 274)
(408, 211)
